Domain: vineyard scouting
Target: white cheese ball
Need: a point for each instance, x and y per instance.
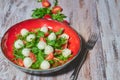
(24, 32)
(52, 36)
(27, 62)
(66, 52)
(44, 29)
(41, 45)
(30, 37)
(48, 49)
(64, 35)
(18, 44)
(45, 65)
(26, 51)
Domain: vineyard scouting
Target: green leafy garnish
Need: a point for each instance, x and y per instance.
(59, 32)
(61, 57)
(35, 50)
(40, 58)
(51, 62)
(18, 53)
(30, 44)
(59, 43)
(40, 12)
(59, 17)
(40, 34)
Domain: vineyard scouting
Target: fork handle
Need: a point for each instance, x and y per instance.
(75, 73)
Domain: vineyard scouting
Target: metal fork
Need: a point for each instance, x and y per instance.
(88, 46)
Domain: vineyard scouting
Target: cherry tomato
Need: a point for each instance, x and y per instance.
(46, 4)
(42, 39)
(32, 56)
(50, 56)
(56, 9)
(20, 62)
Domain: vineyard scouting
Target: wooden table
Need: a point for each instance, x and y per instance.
(85, 16)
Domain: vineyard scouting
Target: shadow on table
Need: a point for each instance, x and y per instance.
(69, 67)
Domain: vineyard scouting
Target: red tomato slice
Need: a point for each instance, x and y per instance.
(46, 34)
(50, 56)
(20, 62)
(42, 39)
(32, 56)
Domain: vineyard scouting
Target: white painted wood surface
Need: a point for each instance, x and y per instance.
(85, 16)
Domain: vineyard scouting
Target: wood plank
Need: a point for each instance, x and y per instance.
(85, 16)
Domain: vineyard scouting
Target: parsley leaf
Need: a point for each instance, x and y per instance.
(40, 34)
(40, 12)
(60, 31)
(59, 17)
(40, 58)
(18, 53)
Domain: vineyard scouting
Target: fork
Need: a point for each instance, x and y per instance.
(88, 46)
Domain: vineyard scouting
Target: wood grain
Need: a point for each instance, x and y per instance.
(86, 17)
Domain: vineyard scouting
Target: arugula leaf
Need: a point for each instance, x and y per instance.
(60, 31)
(59, 43)
(18, 53)
(40, 34)
(30, 44)
(61, 57)
(40, 12)
(35, 50)
(40, 58)
(51, 61)
(51, 42)
(59, 17)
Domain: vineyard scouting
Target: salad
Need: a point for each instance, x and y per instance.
(41, 48)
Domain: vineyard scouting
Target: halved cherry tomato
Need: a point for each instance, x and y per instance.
(47, 16)
(56, 9)
(20, 62)
(46, 4)
(50, 56)
(65, 45)
(58, 50)
(42, 39)
(46, 34)
(32, 56)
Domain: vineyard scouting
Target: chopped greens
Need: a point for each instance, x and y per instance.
(40, 12)
(59, 17)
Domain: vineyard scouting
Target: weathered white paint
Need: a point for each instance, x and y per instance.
(85, 16)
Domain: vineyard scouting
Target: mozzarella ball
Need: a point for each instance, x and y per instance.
(45, 65)
(65, 36)
(24, 32)
(48, 49)
(26, 52)
(18, 44)
(27, 62)
(66, 52)
(30, 37)
(41, 45)
(52, 36)
(44, 29)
